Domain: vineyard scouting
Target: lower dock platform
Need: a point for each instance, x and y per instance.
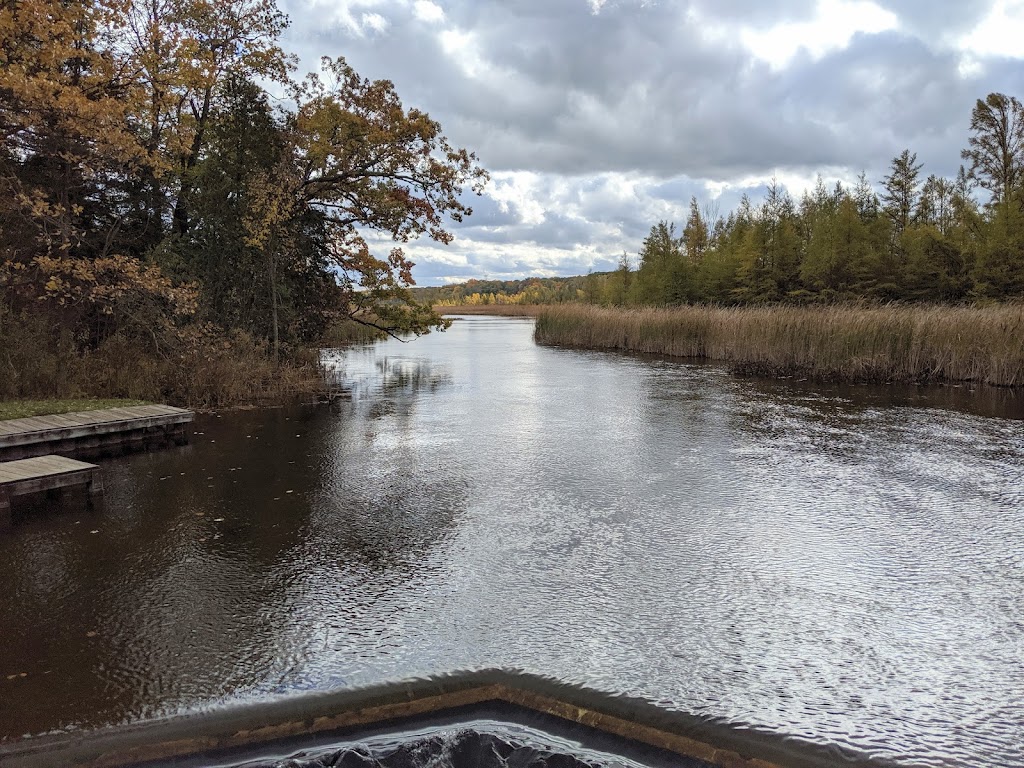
(46, 473)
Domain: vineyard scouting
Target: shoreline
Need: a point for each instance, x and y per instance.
(501, 310)
(878, 345)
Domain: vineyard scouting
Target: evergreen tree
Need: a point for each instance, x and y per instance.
(696, 236)
(899, 198)
(657, 279)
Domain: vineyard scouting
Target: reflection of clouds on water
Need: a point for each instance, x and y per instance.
(815, 561)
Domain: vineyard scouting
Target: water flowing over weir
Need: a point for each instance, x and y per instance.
(483, 719)
(842, 565)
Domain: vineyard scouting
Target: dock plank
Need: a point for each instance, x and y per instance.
(39, 474)
(51, 422)
(90, 418)
(40, 466)
(97, 427)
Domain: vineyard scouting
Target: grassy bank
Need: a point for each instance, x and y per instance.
(39, 363)
(20, 409)
(505, 310)
(876, 344)
(42, 367)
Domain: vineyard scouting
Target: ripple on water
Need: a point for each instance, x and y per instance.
(815, 561)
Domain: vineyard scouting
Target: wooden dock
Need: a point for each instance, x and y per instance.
(46, 473)
(92, 432)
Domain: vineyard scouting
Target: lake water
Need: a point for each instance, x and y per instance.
(841, 564)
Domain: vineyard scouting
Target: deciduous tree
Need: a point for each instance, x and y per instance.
(996, 146)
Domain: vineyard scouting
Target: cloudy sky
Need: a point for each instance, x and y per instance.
(598, 118)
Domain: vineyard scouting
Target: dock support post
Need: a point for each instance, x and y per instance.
(95, 489)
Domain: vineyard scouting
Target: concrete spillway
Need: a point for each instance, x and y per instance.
(484, 719)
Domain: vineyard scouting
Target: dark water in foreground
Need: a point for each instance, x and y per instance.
(846, 565)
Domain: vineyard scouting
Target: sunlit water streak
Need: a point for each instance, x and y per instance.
(842, 564)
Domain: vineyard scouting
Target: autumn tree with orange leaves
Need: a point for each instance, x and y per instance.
(146, 181)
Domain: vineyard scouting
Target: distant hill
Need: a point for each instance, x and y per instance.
(533, 290)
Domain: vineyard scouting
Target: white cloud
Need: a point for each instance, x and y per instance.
(353, 16)
(464, 49)
(424, 10)
(375, 21)
(998, 34)
(520, 189)
(835, 22)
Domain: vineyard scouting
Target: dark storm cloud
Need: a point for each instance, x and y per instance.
(568, 91)
(887, 92)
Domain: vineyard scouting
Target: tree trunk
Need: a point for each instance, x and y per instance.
(272, 272)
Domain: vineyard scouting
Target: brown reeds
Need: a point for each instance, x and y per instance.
(895, 343)
(200, 371)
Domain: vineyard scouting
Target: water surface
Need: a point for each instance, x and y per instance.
(841, 564)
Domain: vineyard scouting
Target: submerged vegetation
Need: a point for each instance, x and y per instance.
(172, 229)
(893, 343)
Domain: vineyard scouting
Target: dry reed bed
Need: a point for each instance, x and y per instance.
(875, 344)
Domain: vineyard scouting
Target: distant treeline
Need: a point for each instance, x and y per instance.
(912, 238)
(534, 290)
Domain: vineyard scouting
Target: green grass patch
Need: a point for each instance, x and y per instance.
(20, 409)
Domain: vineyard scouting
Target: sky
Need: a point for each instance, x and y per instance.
(599, 118)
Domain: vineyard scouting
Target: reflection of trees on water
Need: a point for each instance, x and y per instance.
(391, 490)
(275, 538)
(388, 498)
(831, 417)
(389, 521)
(198, 581)
(365, 376)
(410, 376)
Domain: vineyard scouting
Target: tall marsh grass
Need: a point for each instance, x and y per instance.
(894, 343)
(39, 361)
